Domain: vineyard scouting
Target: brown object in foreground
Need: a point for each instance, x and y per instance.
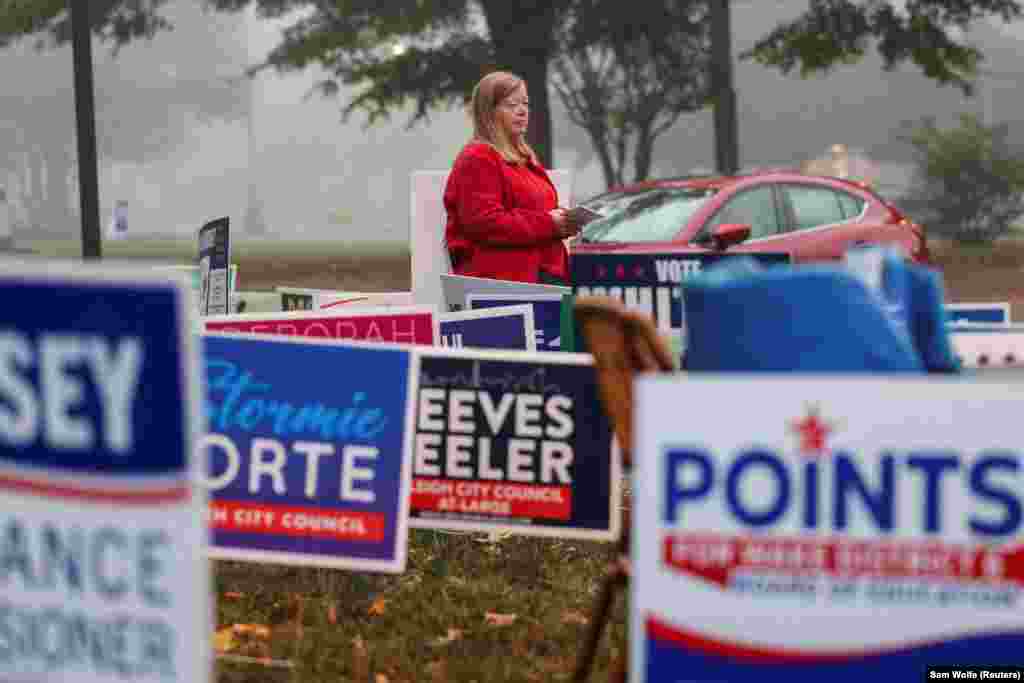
(624, 343)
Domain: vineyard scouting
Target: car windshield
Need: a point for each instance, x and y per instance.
(651, 215)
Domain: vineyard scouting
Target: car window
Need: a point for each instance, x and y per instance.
(852, 206)
(754, 207)
(814, 206)
(652, 215)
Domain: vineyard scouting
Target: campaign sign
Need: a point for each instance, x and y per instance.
(505, 327)
(297, 298)
(458, 288)
(980, 313)
(296, 301)
(650, 283)
(103, 569)
(302, 472)
(214, 264)
(988, 346)
(547, 314)
(400, 324)
(513, 441)
(843, 530)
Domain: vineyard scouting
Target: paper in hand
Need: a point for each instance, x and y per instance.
(581, 215)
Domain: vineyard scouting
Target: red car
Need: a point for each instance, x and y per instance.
(813, 218)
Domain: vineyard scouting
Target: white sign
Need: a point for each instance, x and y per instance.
(329, 298)
(103, 566)
(992, 346)
(792, 528)
(427, 225)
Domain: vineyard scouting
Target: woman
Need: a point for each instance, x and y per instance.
(503, 216)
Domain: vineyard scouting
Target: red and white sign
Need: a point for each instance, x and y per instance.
(829, 528)
(398, 324)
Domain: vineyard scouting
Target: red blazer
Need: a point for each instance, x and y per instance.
(498, 221)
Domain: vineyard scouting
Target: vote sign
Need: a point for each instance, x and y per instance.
(547, 314)
(400, 324)
(650, 283)
(308, 472)
(103, 574)
(515, 442)
(844, 530)
(505, 327)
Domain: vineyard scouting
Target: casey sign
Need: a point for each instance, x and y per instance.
(852, 529)
(103, 568)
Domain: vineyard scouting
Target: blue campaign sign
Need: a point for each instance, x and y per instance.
(507, 327)
(513, 442)
(307, 451)
(650, 282)
(547, 314)
(103, 532)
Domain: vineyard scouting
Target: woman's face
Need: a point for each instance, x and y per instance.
(512, 115)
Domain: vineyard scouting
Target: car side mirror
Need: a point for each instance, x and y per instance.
(730, 234)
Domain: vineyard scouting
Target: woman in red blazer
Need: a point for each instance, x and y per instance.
(503, 216)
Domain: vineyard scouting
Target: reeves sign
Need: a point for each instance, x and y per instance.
(877, 520)
(513, 441)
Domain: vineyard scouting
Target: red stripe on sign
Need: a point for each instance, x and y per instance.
(172, 494)
(290, 520)
(500, 499)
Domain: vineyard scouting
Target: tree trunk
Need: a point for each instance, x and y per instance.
(643, 153)
(523, 45)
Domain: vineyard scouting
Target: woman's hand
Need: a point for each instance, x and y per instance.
(563, 226)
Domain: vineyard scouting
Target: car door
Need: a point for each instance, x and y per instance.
(822, 221)
(756, 206)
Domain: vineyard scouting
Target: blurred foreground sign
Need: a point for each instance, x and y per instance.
(844, 530)
(103, 568)
(308, 472)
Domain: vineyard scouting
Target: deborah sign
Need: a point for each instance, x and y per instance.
(103, 568)
(513, 441)
(304, 472)
(407, 324)
(837, 536)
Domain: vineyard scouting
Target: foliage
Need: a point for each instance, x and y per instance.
(626, 87)
(970, 177)
(834, 32)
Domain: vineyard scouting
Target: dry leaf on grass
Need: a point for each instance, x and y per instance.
(224, 640)
(453, 635)
(332, 613)
(437, 671)
(377, 608)
(233, 595)
(571, 616)
(380, 678)
(251, 631)
(495, 619)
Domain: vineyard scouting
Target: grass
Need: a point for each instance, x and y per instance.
(431, 623)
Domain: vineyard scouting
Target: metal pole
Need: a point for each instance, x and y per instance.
(85, 114)
(727, 156)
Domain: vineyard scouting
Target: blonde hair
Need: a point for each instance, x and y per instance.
(488, 93)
